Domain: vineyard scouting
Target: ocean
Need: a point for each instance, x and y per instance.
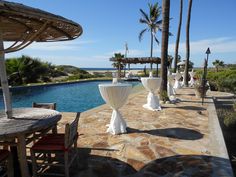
(107, 69)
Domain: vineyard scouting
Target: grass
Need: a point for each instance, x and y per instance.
(227, 117)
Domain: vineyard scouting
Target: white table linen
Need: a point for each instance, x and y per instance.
(183, 76)
(177, 83)
(192, 81)
(170, 88)
(151, 84)
(115, 95)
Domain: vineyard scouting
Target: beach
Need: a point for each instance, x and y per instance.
(102, 71)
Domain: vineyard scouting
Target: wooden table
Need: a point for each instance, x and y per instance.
(25, 121)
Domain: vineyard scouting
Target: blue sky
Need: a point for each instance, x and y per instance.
(108, 24)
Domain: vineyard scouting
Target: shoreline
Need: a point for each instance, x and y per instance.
(133, 71)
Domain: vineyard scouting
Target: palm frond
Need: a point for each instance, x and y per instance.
(170, 34)
(158, 22)
(141, 34)
(144, 15)
(156, 40)
(141, 20)
(157, 28)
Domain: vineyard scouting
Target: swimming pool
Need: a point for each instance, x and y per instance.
(71, 97)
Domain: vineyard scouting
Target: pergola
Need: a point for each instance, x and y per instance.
(137, 60)
(23, 25)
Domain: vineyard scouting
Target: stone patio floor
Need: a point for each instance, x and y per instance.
(172, 142)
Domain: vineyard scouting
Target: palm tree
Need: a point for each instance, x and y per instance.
(118, 64)
(153, 24)
(187, 44)
(217, 64)
(178, 36)
(164, 44)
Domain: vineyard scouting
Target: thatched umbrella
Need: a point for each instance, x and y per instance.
(23, 25)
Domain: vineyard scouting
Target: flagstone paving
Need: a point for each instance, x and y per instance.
(171, 142)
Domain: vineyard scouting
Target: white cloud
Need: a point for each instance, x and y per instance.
(217, 45)
(57, 46)
(131, 52)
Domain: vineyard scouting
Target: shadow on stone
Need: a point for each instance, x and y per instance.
(186, 165)
(194, 108)
(178, 133)
(189, 94)
(191, 101)
(89, 165)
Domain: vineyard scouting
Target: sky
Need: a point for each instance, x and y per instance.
(109, 24)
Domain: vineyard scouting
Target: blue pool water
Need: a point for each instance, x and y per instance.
(75, 97)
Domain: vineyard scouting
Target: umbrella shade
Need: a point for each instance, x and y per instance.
(23, 25)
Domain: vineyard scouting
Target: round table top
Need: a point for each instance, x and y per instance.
(115, 95)
(151, 83)
(27, 120)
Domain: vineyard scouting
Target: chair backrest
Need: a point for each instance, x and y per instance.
(44, 105)
(71, 131)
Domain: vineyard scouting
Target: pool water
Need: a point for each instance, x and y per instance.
(73, 97)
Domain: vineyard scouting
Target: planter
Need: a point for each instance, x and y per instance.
(199, 93)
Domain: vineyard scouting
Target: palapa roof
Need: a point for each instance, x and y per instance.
(23, 25)
(138, 60)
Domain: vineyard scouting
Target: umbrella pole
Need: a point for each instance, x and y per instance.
(4, 81)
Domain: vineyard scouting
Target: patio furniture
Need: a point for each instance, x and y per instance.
(192, 81)
(46, 106)
(177, 84)
(151, 84)
(24, 123)
(22, 25)
(115, 95)
(6, 161)
(170, 89)
(183, 77)
(51, 146)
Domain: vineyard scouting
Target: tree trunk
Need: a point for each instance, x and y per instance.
(164, 43)
(151, 49)
(178, 36)
(187, 44)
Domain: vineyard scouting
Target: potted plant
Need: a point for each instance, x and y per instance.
(199, 92)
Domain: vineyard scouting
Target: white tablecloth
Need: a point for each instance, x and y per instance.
(177, 83)
(192, 81)
(170, 89)
(115, 95)
(151, 84)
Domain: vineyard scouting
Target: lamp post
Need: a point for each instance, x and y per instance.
(205, 74)
(208, 52)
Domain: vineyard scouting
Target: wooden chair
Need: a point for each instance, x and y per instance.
(6, 161)
(44, 105)
(53, 146)
(52, 106)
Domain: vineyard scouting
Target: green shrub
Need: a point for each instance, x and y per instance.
(164, 96)
(224, 80)
(230, 120)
